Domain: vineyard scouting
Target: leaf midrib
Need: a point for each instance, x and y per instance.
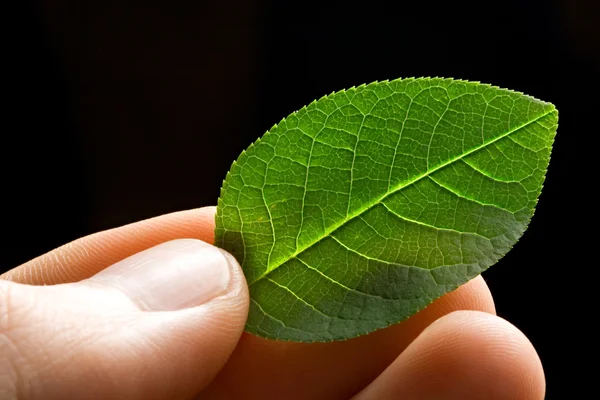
(398, 188)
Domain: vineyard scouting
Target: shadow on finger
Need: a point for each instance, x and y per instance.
(266, 369)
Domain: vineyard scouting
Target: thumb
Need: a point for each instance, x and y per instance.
(157, 325)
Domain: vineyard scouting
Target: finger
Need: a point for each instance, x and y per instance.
(373, 352)
(464, 355)
(84, 257)
(158, 325)
(260, 368)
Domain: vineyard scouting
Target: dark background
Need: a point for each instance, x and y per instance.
(119, 112)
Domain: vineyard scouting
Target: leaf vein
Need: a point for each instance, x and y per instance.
(358, 253)
(487, 174)
(290, 291)
(481, 203)
(437, 228)
(339, 283)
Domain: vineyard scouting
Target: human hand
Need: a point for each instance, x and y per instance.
(167, 322)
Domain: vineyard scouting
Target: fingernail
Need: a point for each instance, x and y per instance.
(174, 275)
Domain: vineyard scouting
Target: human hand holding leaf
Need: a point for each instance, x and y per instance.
(351, 215)
(440, 352)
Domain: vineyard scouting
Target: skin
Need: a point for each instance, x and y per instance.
(63, 342)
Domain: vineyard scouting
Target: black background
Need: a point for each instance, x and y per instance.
(119, 112)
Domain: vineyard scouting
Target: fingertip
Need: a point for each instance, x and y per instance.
(201, 339)
(489, 347)
(465, 354)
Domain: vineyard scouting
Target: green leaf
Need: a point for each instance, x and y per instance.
(362, 208)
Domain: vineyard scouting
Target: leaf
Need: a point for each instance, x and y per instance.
(362, 208)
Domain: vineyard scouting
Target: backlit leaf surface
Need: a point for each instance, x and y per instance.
(362, 208)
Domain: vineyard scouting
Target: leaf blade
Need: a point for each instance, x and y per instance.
(354, 177)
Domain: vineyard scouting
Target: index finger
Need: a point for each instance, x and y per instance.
(89, 255)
